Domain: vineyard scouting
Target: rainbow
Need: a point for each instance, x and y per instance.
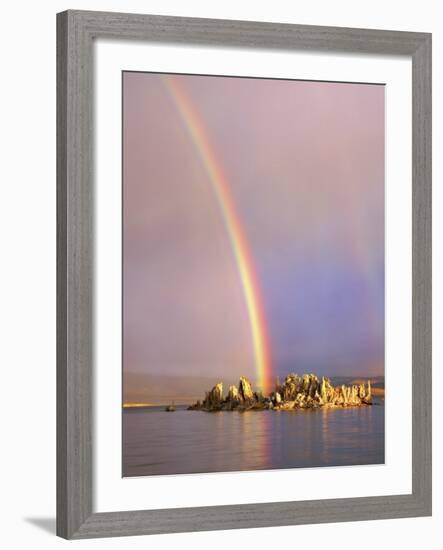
(245, 264)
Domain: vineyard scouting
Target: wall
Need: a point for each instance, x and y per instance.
(28, 267)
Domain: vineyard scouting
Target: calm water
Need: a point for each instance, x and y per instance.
(158, 442)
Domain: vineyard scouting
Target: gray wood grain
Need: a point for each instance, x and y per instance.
(422, 272)
(75, 264)
(76, 31)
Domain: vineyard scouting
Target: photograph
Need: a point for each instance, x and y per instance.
(219, 288)
(253, 274)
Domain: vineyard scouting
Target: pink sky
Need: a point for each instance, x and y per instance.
(305, 163)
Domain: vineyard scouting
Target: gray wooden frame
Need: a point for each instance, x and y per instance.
(76, 31)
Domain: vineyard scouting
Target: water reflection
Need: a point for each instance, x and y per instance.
(156, 442)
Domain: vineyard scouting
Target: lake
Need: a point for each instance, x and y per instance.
(156, 442)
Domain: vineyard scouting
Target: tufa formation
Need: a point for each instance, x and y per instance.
(297, 392)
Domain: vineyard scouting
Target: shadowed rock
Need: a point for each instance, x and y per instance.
(213, 399)
(245, 389)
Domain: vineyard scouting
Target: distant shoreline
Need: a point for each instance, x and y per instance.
(140, 405)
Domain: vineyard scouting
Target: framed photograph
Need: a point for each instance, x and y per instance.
(244, 274)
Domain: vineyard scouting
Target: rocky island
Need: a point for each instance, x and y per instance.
(297, 392)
